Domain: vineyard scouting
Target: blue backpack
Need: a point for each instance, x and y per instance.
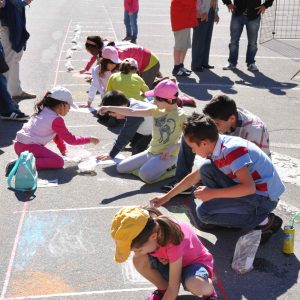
(23, 173)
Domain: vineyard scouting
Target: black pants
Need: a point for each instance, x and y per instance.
(140, 143)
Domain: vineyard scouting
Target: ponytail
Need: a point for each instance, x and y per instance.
(125, 67)
(47, 101)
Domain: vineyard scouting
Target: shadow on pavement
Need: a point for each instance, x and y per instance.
(8, 130)
(63, 175)
(260, 81)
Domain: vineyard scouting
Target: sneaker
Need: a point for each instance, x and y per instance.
(15, 116)
(208, 67)
(253, 68)
(169, 186)
(9, 167)
(229, 66)
(185, 69)
(133, 41)
(273, 225)
(23, 96)
(127, 38)
(180, 72)
(157, 295)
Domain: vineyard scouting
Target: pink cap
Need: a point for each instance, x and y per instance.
(111, 53)
(166, 89)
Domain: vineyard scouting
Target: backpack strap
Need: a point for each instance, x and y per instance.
(13, 171)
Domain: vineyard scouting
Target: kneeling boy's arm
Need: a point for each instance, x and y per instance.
(127, 111)
(244, 188)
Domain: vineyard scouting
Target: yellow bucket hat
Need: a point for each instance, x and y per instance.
(127, 224)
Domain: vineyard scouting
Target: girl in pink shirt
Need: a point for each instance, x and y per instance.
(131, 9)
(47, 124)
(166, 252)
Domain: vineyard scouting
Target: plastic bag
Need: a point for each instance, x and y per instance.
(77, 154)
(88, 167)
(245, 251)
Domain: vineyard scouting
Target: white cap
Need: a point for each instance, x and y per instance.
(132, 61)
(62, 94)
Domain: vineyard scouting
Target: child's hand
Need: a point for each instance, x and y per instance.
(203, 17)
(217, 19)
(166, 154)
(102, 110)
(88, 104)
(203, 193)
(103, 157)
(158, 201)
(82, 71)
(94, 140)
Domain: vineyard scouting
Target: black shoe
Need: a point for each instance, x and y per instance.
(9, 167)
(197, 69)
(185, 69)
(23, 96)
(273, 225)
(127, 38)
(15, 116)
(208, 67)
(180, 72)
(133, 41)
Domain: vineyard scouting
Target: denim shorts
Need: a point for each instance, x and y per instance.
(195, 270)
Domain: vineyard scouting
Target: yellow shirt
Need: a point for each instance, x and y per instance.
(167, 129)
(131, 85)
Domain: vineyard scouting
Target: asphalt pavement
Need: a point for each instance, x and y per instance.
(56, 243)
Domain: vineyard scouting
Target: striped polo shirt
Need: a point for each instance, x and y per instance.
(232, 153)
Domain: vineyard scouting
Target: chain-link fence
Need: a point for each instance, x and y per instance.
(281, 21)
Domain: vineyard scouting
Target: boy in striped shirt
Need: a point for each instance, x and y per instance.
(240, 186)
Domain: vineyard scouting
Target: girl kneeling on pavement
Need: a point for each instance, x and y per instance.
(167, 252)
(47, 124)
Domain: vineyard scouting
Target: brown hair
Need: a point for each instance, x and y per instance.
(103, 66)
(125, 67)
(47, 101)
(167, 230)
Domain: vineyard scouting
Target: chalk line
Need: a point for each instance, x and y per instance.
(14, 250)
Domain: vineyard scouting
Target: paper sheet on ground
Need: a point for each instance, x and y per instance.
(86, 110)
(116, 160)
(44, 183)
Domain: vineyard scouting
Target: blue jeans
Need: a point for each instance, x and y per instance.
(201, 41)
(236, 28)
(185, 161)
(241, 212)
(7, 105)
(131, 24)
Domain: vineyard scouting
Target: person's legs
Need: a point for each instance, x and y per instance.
(240, 212)
(150, 74)
(196, 279)
(236, 29)
(155, 167)
(134, 26)
(208, 36)
(198, 45)
(44, 158)
(145, 267)
(13, 61)
(7, 106)
(127, 25)
(185, 161)
(133, 162)
(252, 34)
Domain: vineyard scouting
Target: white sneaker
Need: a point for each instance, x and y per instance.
(229, 66)
(253, 68)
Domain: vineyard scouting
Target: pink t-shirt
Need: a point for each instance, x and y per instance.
(131, 5)
(190, 249)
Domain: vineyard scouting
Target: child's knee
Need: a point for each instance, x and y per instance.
(147, 177)
(205, 168)
(60, 163)
(141, 261)
(121, 168)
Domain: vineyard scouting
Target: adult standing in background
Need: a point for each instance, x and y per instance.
(207, 14)
(131, 9)
(183, 18)
(244, 13)
(14, 37)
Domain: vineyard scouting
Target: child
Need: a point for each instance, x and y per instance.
(239, 184)
(127, 81)
(131, 9)
(137, 131)
(167, 252)
(183, 18)
(101, 73)
(168, 120)
(47, 124)
(230, 120)
(93, 45)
